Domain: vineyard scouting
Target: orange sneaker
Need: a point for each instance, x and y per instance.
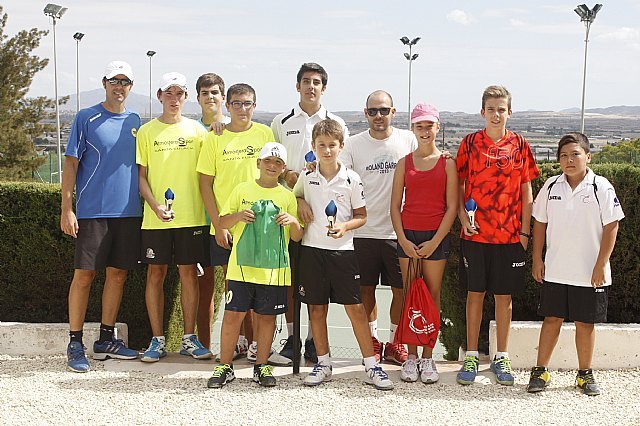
(396, 354)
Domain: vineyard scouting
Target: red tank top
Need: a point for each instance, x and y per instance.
(425, 196)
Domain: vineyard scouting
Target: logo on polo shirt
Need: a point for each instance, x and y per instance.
(314, 182)
(555, 197)
(616, 202)
(293, 132)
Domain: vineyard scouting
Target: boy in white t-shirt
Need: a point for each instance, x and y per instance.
(328, 269)
(578, 214)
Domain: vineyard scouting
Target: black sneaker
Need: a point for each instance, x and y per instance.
(310, 351)
(222, 374)
(586, 382)
(287, 348)
(263, 374)
(539, 379)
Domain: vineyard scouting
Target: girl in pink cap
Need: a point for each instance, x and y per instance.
(428, 183)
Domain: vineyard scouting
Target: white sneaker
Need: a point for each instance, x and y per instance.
(428, 371)
(409, 371)
(240, 351)
(320, 373)
(274, 357)
(252, 352)
(378, 378)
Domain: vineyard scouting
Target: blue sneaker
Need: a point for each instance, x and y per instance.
(192, 346)
(310, 351)
(114, 348)
(502, 369)
(469, 371)
(76, 359)
(154, 352)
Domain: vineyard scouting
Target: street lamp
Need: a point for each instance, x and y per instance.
(150, 54)
(410, 57)
(77, 37)
(587, 16)
(55, 12)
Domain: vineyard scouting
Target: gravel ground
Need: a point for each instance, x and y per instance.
(38, 390)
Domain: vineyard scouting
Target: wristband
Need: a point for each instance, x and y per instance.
(524, 234)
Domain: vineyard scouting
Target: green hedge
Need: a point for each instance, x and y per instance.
(625, 265)
(36, 267)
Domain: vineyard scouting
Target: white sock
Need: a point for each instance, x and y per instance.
(370, 362)
(392, 332)
(160, 339)
(254, 344)
(473, 353)
(413, 356)
(241, 339)
(289, 329)
(186, 336)
(324, 359)
(501, 355)
(373, 328)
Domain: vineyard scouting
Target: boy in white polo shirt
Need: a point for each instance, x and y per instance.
(328, 269)
(578, 214)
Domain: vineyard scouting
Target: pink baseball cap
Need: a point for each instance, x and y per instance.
(425, 112)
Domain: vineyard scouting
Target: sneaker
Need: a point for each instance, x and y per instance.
(192, 346)
(396, 354)
(320, 373)
(154, 352)
(377, 348)
(539, 379)
(274, 357)
(287, 348)
(469, 370)
(222, 374)
(378, 378)
(241, 349)
(76, 359)
(428, 371)
(502, 369)
(263, 374)
(587, 383)
(310, 351)
(409, 372)
(114, 348)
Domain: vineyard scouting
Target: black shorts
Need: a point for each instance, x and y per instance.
(495, 268)
(175, 246)
(582, 304)
(378, 260)
(294, 257)
(418, 237)
(218, 255)
(263, 299)
(113, 242)
(328, 276)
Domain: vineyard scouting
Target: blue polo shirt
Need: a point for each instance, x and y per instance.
(107, 180)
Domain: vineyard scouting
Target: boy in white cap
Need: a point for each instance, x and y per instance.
(106, 225)
(174, 226)
(262, 288)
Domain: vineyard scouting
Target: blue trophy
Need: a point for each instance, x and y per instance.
(470, 206)
(309, 157)
(169, 196)
(331, 211)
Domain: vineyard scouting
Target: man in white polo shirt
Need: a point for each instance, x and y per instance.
(373, 154)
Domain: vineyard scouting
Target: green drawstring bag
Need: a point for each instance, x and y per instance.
(261, 244)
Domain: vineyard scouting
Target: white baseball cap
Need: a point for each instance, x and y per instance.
(118, 67)
(274, 149)
(173, 79)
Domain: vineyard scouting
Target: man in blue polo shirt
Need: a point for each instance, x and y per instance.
(100, 163)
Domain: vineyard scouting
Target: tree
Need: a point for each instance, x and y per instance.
(21, 118)
(622, 152)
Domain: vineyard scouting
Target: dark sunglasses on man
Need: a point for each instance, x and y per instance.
(372, 112)
(124, 82)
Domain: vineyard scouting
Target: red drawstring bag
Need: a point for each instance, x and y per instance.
(420, 321)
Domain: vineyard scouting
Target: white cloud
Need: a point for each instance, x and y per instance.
(625, 34)
(517, 23)
(460, 17)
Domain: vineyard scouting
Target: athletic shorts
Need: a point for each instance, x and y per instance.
(263, 299)
(378, 260)
(418, 237)
(582, 304)
(294, 256)
(108, 242)
(328, 276)
(175, 246)
(219, 255)
(495, 268)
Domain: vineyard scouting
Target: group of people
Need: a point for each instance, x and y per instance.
(302, 209)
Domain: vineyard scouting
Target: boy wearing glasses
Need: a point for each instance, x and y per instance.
(293, 129)
(373, 154)
(101, 154)
(173, 227)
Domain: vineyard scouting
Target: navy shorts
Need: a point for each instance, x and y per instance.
(108, 242)
(378, 260)
(175, 246)
(418, 237)
(573, 303)
(218, 255)
(263, 299)
(495, 268)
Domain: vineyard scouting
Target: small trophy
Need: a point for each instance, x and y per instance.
(309, 157)
(331, 211)
(470, 206)
(169, 196)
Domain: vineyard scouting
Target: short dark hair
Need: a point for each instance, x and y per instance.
(208, 80)
(313, 67)
(328, 127)
(239, 89)
(573, 137)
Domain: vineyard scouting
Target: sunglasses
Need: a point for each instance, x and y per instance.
(124, 82)
(239, 104)
(372, 112)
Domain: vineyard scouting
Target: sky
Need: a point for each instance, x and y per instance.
(535, 49)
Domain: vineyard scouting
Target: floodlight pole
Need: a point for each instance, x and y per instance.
(410, 57)
(77, 37)
(150, 54)
(587, 16)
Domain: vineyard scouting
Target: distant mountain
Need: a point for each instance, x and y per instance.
(135, 102)
(612, 110)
